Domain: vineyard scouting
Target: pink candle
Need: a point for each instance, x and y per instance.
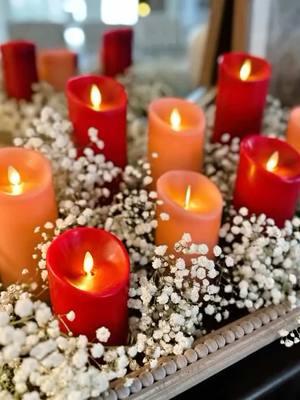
(191, 204)
(176, 136)
(293, 129)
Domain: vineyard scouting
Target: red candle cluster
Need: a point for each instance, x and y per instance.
(268, 178)
(88, 272)
(19, 68)
(99, 102)
(242, 89)
(116, 52)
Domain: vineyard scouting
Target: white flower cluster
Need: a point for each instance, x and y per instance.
(172, 300)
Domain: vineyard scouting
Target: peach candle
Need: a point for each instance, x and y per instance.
(293, 128)
(176, 136)
(192, 204)
(27, 200)
(57, 66)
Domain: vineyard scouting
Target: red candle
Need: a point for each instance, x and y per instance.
(242, 89)
(116, 52)
(268, 178)
(89, 274)
(99, 102)
(51, 61)
(19, 68)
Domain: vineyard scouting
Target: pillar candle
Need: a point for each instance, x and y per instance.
(56, 66)
(293, 128)
(99, 102)
(242, 88)
(176, 136)
(193, 205)
(27, 200)
(116, 52)
(268, 178)
(19, 68)
(88, 270)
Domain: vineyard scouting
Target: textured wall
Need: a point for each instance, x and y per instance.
(284, 50)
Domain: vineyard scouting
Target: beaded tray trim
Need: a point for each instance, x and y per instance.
(210, 354)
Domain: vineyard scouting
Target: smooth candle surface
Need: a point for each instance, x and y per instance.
(194, 205)
(243, 82)
(268, 178)
(293, 128)
(27, 200)
(89, 274)
(116, 51)
(176, 136)
(56, 66)
(99, 102)
(19, 68)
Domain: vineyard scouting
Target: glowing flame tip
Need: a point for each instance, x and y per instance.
(245, 70)
(88, 263)
(187, 197)
(95, 97)
(273, 161)
(175, 119)
(14, 177)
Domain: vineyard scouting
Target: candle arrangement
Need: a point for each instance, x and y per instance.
(182, 242)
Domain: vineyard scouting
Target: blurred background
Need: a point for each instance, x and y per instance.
(163, 30)
(170, 36)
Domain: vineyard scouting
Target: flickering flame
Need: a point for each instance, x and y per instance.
(245, 70)
(88, 263)
(187, 197)
(273, 161)
(95, 97)
(175, 119)
(14, 179)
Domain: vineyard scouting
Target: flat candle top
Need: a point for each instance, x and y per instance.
(274, 155)
(90, 259)
(191, 191)
(22, 171)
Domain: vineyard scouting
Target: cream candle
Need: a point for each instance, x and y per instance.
(293, 128)
(176, 136)
(27, 200)
(193, 205)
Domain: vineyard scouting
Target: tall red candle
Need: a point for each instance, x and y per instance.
(99, 102)
(268, 178)
(19, 68)
(243, 82)
(116, 52)
(88, 271)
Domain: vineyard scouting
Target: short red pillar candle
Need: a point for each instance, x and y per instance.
(99, 102)
(243, 82)
(268, 178)
(19, 68)
(56, 66)
(116, 52)
(88, 271)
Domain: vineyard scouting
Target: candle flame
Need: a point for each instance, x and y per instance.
(14, 177)
(175, 119)
(245, 70)
(273, 161)
(187, 197)
(88, 263)
(95, 97)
